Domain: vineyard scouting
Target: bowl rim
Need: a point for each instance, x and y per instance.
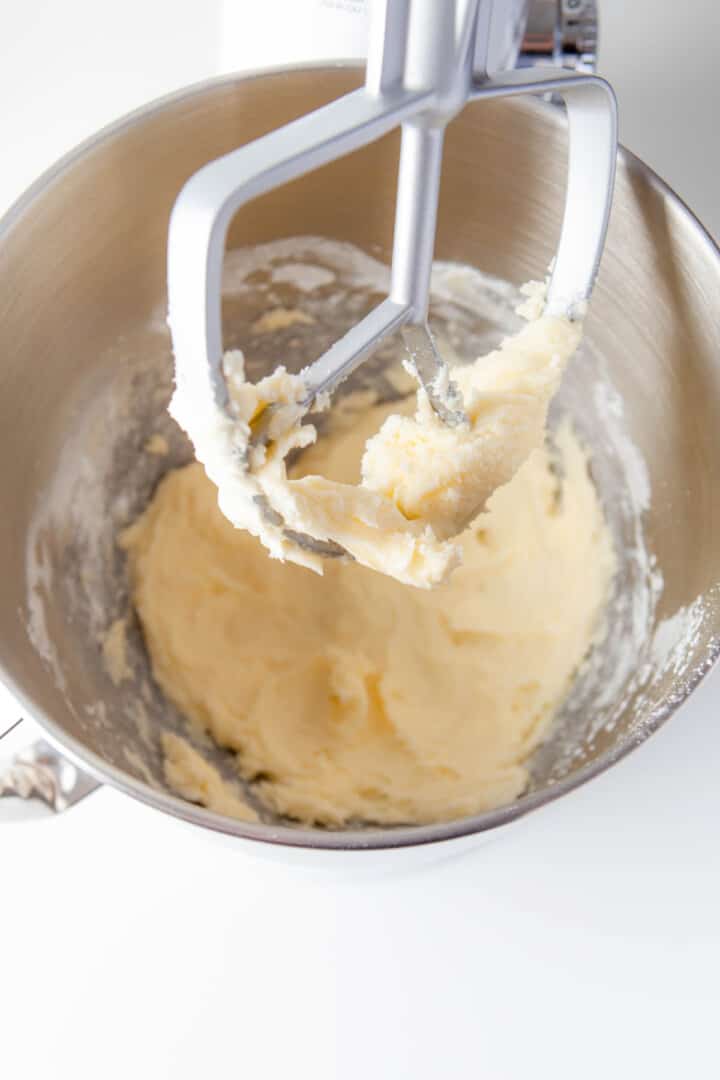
(349, 840)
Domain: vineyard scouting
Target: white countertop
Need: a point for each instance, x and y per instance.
(584, 943)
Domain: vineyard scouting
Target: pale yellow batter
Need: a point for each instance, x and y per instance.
(351, 696)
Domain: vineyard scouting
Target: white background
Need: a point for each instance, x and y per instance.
(584, 944)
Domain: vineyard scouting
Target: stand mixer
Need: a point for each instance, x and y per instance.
(427, 61)
(87, 372)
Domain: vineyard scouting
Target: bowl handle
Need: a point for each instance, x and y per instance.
(36, 781)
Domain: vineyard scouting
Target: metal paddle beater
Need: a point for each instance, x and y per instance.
(426, 62)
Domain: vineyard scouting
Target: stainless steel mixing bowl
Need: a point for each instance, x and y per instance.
(85, 373)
